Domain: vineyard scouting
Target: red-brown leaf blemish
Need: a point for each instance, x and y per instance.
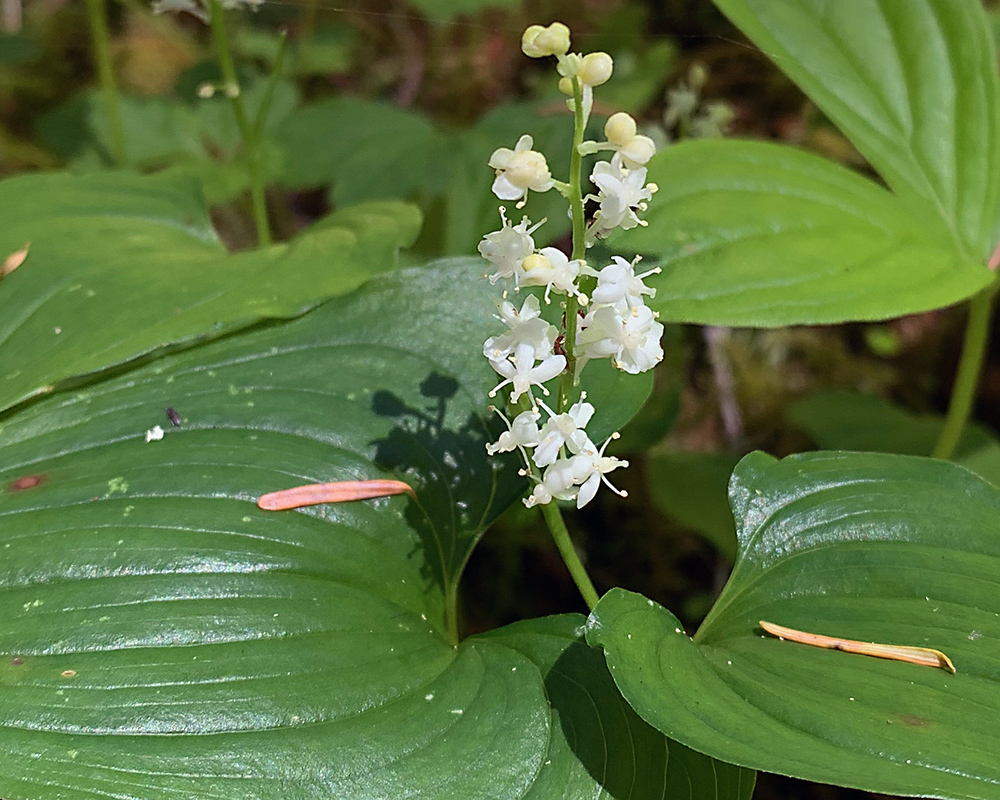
(17, 661)
(913, 721)
(26, 482)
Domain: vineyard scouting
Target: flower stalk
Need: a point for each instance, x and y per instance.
(560, 534)
(560, 459)
(250, 133)
(970, 367)
(97, 13)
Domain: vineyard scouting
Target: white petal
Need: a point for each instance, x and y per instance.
(588, 490)
(506, 190)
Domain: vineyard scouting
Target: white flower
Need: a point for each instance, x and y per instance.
(577, 477)
(564, 429)
(521, 372)
(522, 432)
(200, 9)
(526, 327)
(632, 150)
(551, 268)
(622, 193)
(506, 248)
(631, 338)
(559, 481)
(193, 8)
(597, 467)
(618, 285)
(519, 170)
(637, 152)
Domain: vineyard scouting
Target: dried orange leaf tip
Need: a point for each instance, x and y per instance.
(924, 656)
(338, 492)
(14, 260)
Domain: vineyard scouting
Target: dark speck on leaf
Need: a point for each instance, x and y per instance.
(173, 416)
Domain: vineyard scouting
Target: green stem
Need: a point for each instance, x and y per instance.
(566, 381)
(251, 143)
(963, 393)
(308, 31)
(451, 612)
(98, 13)
(272, 82)
(553, 518)
(550, 511)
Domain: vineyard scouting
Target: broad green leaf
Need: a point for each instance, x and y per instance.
(198, 139)
(912, 84)
(889, 549)
(762, 235)
(163, 636)
(852, 421)
(691, 488)
(121, 265)
(604, 738)
(369, 149)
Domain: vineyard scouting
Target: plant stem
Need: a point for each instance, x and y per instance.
(568, 378)
(98, 14)
(553, 518)
(272, 82)
(970, 365)
(451, 612)
(251, 142)
(550, 511)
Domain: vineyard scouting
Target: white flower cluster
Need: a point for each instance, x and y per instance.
(574, 467)
(559, 456)
(199, 8)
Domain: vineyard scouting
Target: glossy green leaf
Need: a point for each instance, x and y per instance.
(762, 235)
(879, 548)
(121, 265)
(163, 636)
(852, 421)
(912, 84)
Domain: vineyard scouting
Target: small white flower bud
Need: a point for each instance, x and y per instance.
(566, 86)
(595, 69)
(539, 41)
(620, 129)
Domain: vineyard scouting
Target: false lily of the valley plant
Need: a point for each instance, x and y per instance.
(241, 484)
(603, 314)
